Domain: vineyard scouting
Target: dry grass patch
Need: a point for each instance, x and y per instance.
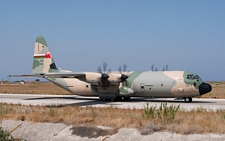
(185, 122)
(32, 88)
(151, 128)
(112, 117)
(196, 121)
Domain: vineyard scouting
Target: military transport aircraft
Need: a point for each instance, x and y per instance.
(116, 85)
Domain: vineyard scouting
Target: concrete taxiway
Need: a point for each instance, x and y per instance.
(138, 103)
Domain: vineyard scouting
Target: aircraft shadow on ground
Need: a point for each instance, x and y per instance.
(90, 101)
(95, 101)
(62, 97)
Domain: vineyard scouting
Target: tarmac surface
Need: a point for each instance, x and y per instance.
(138, 103)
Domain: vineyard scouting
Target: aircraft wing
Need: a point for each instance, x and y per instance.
(65, 75)
(53, 75)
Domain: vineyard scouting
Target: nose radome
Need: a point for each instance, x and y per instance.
(204, 88)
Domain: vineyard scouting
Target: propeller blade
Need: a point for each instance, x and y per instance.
(167, 67)
(104, 67)
(99, 69)
(120, 70)
(152, 67)
(124, 68)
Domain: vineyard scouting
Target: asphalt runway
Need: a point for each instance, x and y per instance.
(138, 103)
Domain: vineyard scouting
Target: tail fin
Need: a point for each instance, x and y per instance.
(43, 61)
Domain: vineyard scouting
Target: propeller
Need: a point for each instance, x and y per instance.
(123, 76)
(104, 76)
(165, 68)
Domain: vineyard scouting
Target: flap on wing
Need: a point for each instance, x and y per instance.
(65, 75)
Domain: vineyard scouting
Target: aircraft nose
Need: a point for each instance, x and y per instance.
(204, 88)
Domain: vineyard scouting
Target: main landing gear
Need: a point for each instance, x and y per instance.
(188, 99)
(116, 99)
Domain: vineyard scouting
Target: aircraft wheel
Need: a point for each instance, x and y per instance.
(126, 98)
(188, 99)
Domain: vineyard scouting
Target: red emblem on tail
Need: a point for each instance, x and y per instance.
(48, 55)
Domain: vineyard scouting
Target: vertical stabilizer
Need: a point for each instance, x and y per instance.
(43, 61)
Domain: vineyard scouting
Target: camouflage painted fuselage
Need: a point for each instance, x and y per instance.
(139, 84)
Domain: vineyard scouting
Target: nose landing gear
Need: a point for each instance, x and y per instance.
(188, 99)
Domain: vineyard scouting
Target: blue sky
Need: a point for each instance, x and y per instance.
(186, 35)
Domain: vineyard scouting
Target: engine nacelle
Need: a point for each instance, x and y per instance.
(125, 91)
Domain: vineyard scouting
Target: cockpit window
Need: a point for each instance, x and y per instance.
(192, 77)
(196, 77)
